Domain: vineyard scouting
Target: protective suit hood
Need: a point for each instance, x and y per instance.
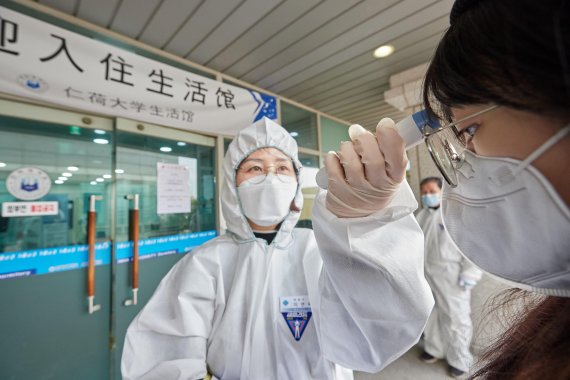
(264, 133)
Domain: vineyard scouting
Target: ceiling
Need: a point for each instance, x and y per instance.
(318, 53)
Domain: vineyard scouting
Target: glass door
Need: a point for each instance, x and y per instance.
(166, 202)
(95, 212)
(53, 167)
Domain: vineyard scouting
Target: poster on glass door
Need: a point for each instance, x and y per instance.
(42, 61)
(172, 189)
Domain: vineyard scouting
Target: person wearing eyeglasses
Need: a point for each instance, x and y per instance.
(500, 84)
(451, 278)
(270, 301)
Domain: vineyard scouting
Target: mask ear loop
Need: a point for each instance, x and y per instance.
(541, 149)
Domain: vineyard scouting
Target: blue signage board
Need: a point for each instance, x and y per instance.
(58, 259)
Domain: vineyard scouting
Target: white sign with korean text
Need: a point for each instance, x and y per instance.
(14, 209)
(173, 191)
(46, 62)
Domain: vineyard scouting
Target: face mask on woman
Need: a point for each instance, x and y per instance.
(267, 201)
(508, 220)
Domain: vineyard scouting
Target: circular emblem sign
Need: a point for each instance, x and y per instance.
(28, 184)
(33, 83)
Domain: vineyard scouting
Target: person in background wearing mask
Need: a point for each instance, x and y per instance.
(451, 278)
(270, 301)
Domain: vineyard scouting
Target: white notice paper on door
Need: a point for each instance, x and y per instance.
(173, 192)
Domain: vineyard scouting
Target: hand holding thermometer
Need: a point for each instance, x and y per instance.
(411, 129)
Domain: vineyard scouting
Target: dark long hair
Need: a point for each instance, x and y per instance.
(514, 53)
(537, 344)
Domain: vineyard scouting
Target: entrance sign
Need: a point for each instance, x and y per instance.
(46, 62)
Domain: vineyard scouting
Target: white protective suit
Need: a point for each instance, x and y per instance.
(449, 329)
(219, 308)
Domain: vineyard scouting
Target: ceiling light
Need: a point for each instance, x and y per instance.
(165, 149)
(99, 132)
(181, 143)
(99, 180)
(93, 182)
(2, 164)
(107, 176)
(72, 168)
(59, 181)
(101, 141)
(119, 171)
(62, 178)
(294, 134)
(383, 51)
(66, 174)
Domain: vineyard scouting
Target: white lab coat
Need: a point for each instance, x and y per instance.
(219, 307)
(448, 332)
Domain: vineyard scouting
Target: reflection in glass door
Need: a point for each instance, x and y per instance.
(45, 326)
(168, 176)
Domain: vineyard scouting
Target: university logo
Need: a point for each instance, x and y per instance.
(29, 185)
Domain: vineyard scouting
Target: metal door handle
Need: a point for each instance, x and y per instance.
(91, 227)
(134, 236)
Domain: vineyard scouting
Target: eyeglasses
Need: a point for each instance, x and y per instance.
(256, 172)
(446, 146)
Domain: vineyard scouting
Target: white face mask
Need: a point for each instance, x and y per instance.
(267, 202)
(431, 200)
(508, 220)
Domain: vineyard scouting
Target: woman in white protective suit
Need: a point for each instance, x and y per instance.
(268, 301)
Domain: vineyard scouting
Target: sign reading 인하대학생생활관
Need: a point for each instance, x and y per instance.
(28, 184)
(46, 62)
